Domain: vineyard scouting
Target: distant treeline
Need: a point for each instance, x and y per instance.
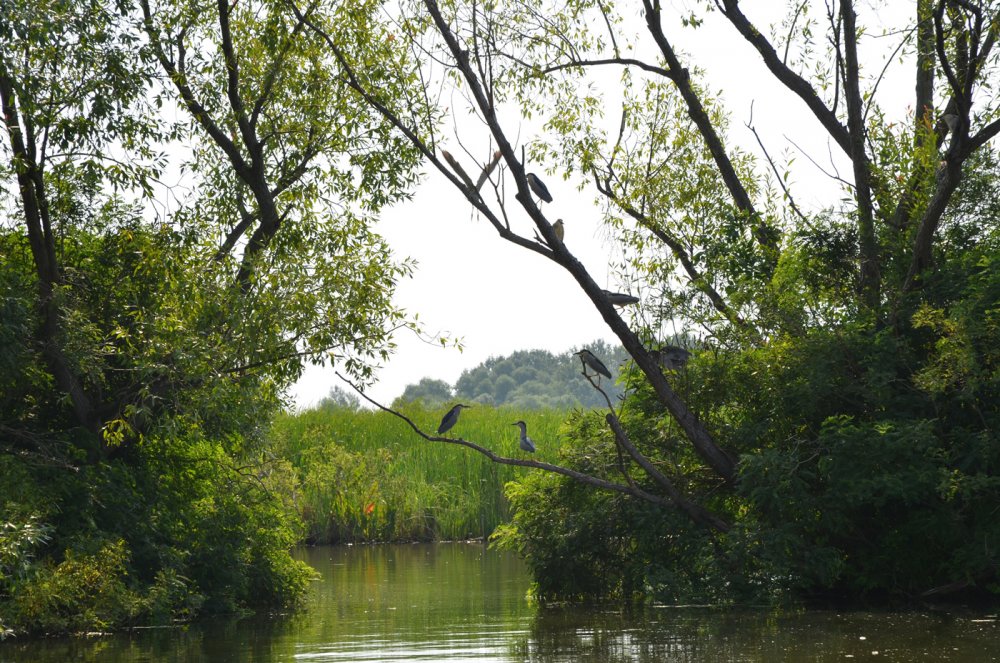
(526, 379)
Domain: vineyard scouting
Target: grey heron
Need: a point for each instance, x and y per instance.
(450, 419)
(526, 442)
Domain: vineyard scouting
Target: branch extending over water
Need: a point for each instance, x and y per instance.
(597, 482)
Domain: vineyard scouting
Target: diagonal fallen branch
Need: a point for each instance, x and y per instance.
(597, 482)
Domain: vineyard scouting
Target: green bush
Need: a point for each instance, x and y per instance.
(83, 592)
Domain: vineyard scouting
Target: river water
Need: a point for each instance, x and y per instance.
(461, 602)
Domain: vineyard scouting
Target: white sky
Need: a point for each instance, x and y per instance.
(499, 298)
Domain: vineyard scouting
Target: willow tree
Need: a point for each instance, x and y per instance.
(150, 329)
(843, 396)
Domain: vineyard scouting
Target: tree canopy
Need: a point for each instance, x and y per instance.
(150, 330)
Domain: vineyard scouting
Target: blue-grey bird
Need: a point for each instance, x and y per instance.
(539, 188)
(450, 419)
(671, 357)
(526, 442)
(589, 360)
(620, 298)
(560, 229)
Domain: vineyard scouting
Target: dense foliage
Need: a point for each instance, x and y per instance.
(526, 379)
(869, 457)
(148, 333)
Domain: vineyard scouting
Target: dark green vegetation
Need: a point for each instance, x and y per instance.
(836, 434)
(141, 362)
(528, 379)
(361, 475)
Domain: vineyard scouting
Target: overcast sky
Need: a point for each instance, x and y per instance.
(498, 298)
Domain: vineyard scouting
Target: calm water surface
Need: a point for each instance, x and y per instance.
(461, 602)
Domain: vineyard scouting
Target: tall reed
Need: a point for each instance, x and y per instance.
(366, 476)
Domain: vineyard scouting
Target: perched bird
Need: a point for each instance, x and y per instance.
(671, 357)
(450, 419)
(620, 298)
(526, 442)
(951, 121)
(539, 188)
(560, 229)
(589, 360)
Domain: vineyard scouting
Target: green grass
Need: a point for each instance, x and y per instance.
(366, 476)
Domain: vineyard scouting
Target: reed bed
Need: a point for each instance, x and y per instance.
(366, 476)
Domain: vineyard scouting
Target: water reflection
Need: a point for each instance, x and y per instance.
(461, 602)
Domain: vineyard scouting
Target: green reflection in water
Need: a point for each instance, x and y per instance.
(461, 602)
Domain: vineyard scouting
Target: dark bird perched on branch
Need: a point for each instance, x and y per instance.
(589, 360)
(620, 298)
(539, 188)
(671, 357)
(450, 419)
(526, 442)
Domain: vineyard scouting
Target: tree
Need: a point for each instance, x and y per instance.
(535, 378)
(430, 391)
(150, 333)
(338, 399)
(819, 327)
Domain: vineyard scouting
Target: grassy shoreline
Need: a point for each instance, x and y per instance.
(364, 476)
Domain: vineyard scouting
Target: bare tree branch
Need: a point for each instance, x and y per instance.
(731, 10)
(764, 235)
(870, 285)
(698, 513)
(581, 477)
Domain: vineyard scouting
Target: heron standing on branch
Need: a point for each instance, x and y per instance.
(671, 357)
(539, 188)
(620, 298)
(592, 362)
(450, 419)
(526, 443)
